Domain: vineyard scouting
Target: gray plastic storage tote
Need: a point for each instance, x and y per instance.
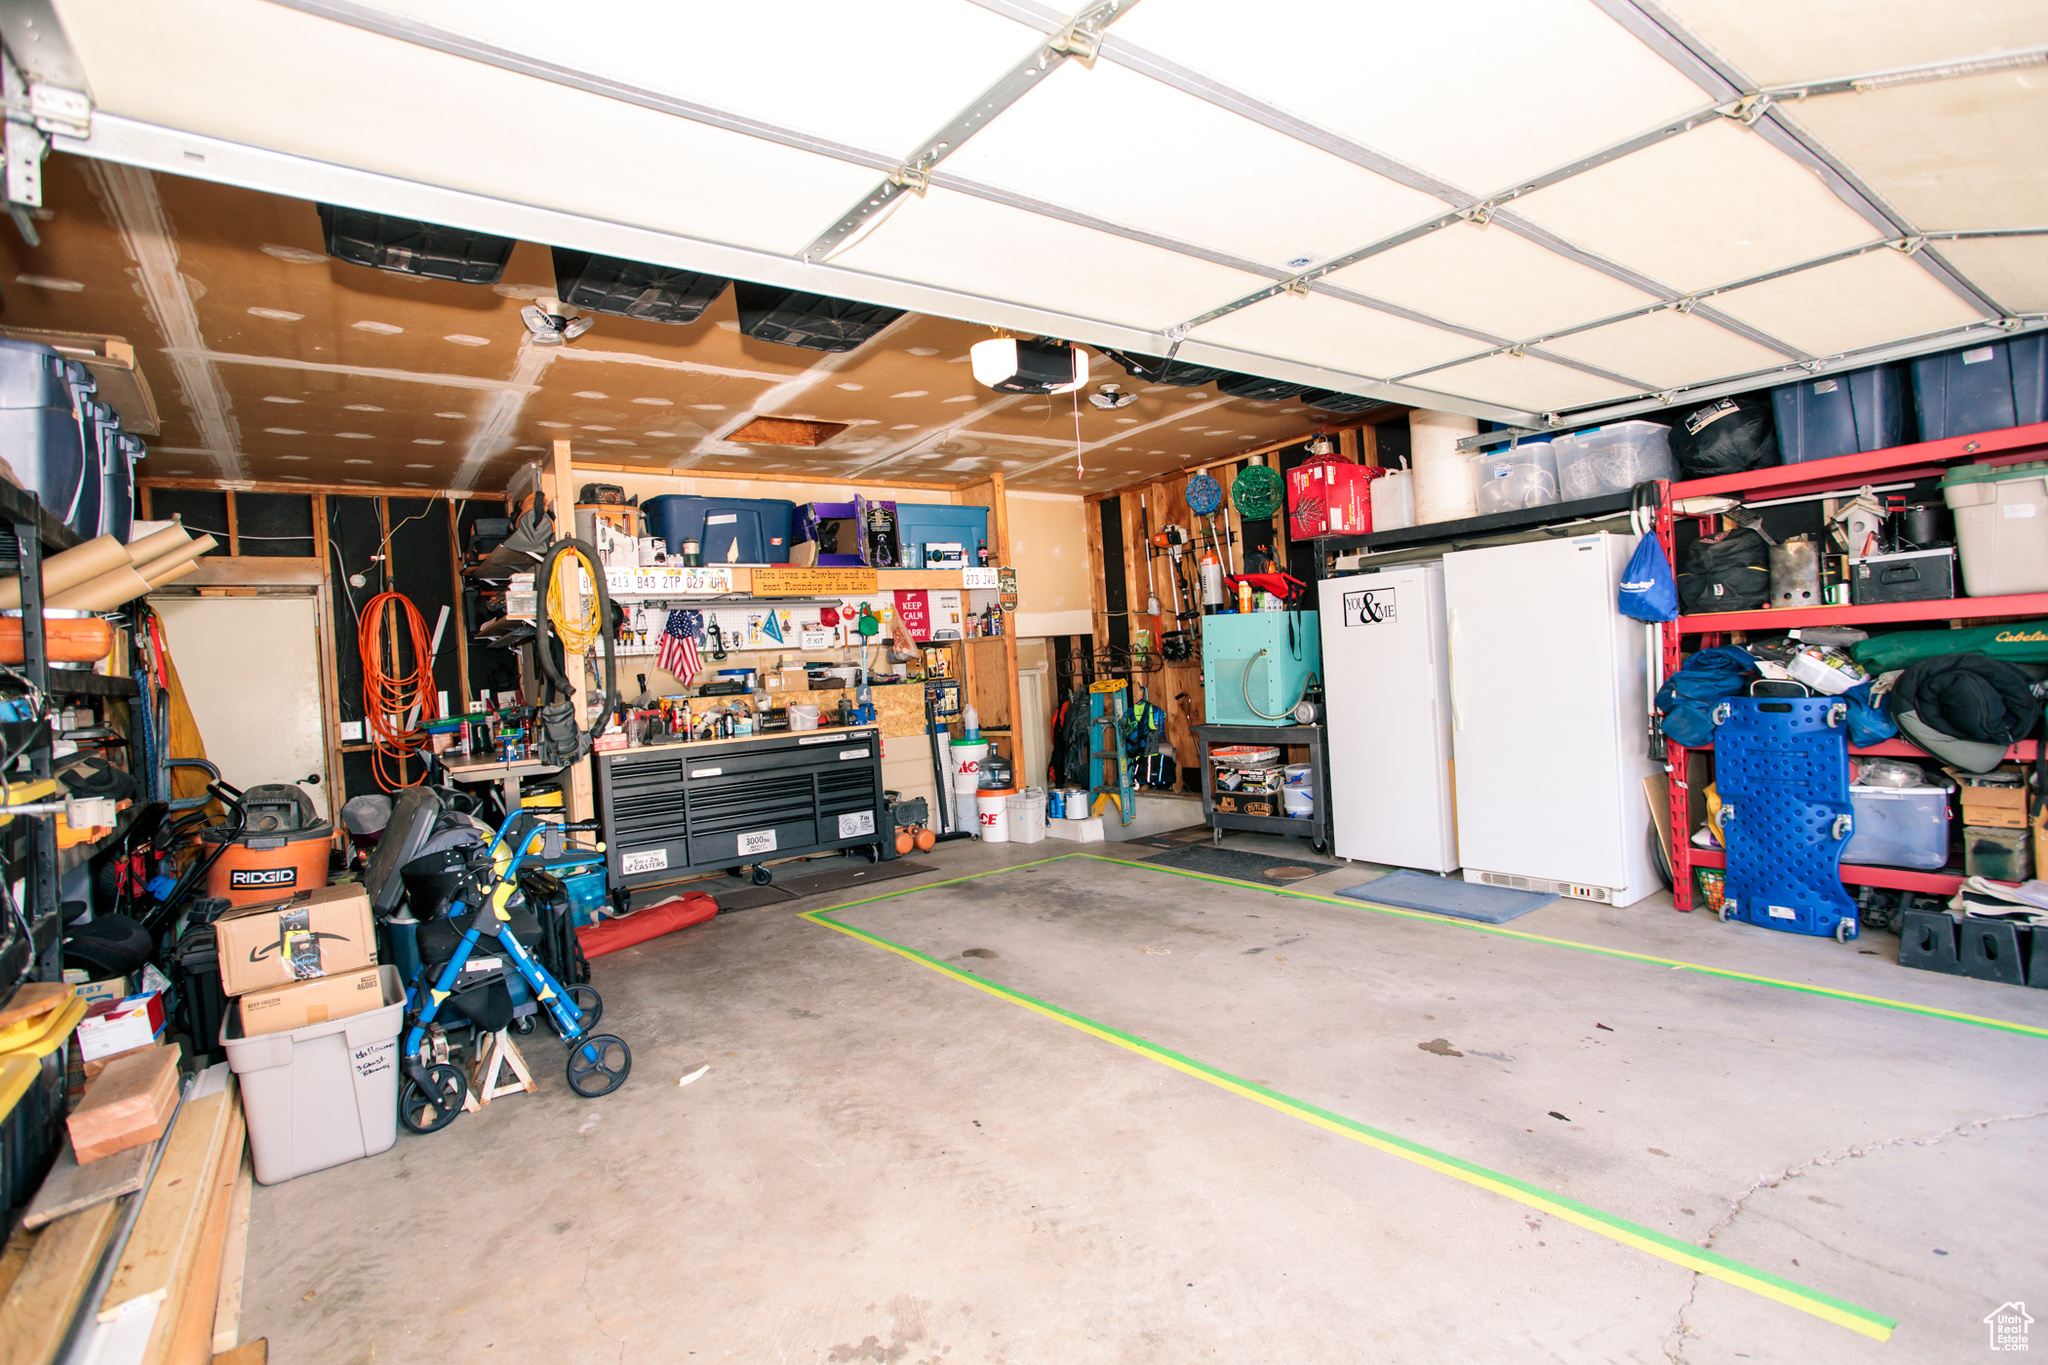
(323, 1094)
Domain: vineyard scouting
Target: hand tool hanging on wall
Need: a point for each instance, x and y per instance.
(562, 740)
(1145, 549)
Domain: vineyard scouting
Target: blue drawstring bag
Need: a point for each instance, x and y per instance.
(1869, 723)
(1649, 591)
(1688, 696)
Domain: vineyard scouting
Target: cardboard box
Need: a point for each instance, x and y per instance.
(1992, 807)
(321, 932)
(120, 1025)
(337, 996)
(93, 992)
(1330, 500)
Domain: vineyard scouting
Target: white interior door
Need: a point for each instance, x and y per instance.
(251, 670)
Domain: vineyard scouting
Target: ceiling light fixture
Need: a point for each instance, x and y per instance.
(553, 322)
(1009, 365)
(1112, 396)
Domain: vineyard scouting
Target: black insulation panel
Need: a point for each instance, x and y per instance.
(274, 525)
(1115, 601)
(203, 511)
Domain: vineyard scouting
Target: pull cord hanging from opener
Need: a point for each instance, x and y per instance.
(394, 705)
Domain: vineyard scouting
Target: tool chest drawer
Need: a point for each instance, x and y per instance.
(673, 811)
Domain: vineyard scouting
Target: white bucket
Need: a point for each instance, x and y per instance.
(803, 716)
(1027, 815)
(1443, 473)
(967, 756)
(994, 813)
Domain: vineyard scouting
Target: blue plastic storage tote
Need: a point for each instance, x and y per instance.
(39, 431)
(727, 530)
(1841, 414)
(922, 523)
(1982, 388)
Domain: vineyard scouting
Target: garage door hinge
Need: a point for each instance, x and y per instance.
(916, 177)
(1749, 108)
(1908, 245)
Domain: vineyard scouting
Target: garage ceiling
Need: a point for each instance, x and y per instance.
(1535, 211)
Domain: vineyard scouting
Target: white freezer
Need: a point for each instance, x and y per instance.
(1387, 684)
(1549, 715)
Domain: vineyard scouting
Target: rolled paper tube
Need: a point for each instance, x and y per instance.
(173, 574)
(79, 564)
(66, 640)
(151, 568)
(104, 593)
(157, 543)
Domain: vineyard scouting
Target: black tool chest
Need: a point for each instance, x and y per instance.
(675, 809)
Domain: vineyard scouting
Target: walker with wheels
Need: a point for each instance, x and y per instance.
(433, 1088)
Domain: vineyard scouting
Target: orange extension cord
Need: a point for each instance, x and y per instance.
(387, 700)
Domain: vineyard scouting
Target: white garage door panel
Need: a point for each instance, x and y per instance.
(259, 74)
(805, 64)
(1788, 41)
(1866, 300)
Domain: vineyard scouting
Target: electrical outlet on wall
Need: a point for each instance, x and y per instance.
(351, 732)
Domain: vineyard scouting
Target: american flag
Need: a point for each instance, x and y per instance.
(677, 653)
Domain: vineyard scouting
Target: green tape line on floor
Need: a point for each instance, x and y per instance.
(1824, 1306)
(1352, 903)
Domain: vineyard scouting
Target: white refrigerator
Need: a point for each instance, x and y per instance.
(1386, 678)
(1549, 716)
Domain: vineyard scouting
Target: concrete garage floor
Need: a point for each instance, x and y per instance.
(887, 1164)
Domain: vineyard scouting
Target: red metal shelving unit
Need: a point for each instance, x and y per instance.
(1844, 473)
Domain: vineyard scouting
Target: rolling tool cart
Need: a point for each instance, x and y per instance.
(1265, 812)
(670, 810)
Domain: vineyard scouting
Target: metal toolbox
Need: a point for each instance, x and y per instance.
(677, 809)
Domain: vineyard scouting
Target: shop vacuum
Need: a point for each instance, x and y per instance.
(281, 848)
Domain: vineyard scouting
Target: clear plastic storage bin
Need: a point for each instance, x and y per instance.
(1899, 827)
(1612, 459)
(1519, 476)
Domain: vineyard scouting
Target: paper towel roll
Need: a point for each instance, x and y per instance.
(79, 564)
(157, 543)
(104, 593)
(1443, 473)
(152, 569)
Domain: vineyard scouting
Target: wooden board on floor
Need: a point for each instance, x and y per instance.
(52, 1284)
(255, 1352)
(185, 1337)
(128, 1106)
(227, 1310)
(70, 1187)
(34, 997)
(175, 1207)
(13, 1256)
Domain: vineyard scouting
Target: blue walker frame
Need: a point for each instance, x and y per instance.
(520, 841)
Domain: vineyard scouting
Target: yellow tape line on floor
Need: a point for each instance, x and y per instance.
(1353, 903)
(1837, 1311)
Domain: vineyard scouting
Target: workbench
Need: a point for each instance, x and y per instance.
(475, 770)
(671, 810)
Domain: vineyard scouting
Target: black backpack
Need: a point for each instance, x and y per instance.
(1727, 572)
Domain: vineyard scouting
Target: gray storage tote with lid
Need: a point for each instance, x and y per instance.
(323, 1094)
(2001, 526)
